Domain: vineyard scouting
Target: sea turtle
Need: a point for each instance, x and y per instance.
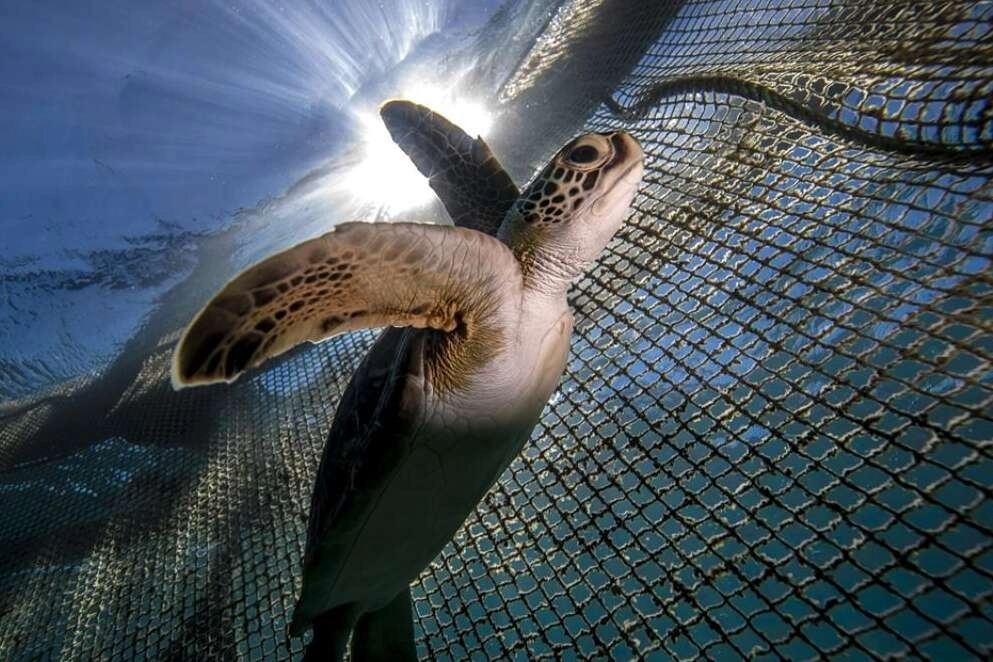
(444, 400)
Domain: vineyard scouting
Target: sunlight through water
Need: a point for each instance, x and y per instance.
(126, 142)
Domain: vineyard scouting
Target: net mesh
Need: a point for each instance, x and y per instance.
(773, 437)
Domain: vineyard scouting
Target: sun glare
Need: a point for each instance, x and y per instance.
(385, 177)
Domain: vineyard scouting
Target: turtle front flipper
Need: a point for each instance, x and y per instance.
(469, 180)
(359, 275)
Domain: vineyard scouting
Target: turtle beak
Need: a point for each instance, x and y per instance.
(625, 170)
(627, 153)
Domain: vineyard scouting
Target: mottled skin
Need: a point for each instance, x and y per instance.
(475, 188)
(439, 408)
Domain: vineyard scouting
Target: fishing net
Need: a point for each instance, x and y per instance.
(774, 434)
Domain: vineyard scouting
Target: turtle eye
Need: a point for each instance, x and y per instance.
(584, 154)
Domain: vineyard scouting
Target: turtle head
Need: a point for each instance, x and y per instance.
(572, 208)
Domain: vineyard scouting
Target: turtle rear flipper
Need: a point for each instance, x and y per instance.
(359, 275)
(331, 631)
(469, 180)
(387, 634)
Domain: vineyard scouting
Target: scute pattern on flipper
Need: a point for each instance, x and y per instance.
(468, 178)
(358, 275)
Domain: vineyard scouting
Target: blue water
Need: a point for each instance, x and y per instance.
(128, 130)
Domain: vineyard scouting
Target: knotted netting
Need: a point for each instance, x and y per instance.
(773, 437)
